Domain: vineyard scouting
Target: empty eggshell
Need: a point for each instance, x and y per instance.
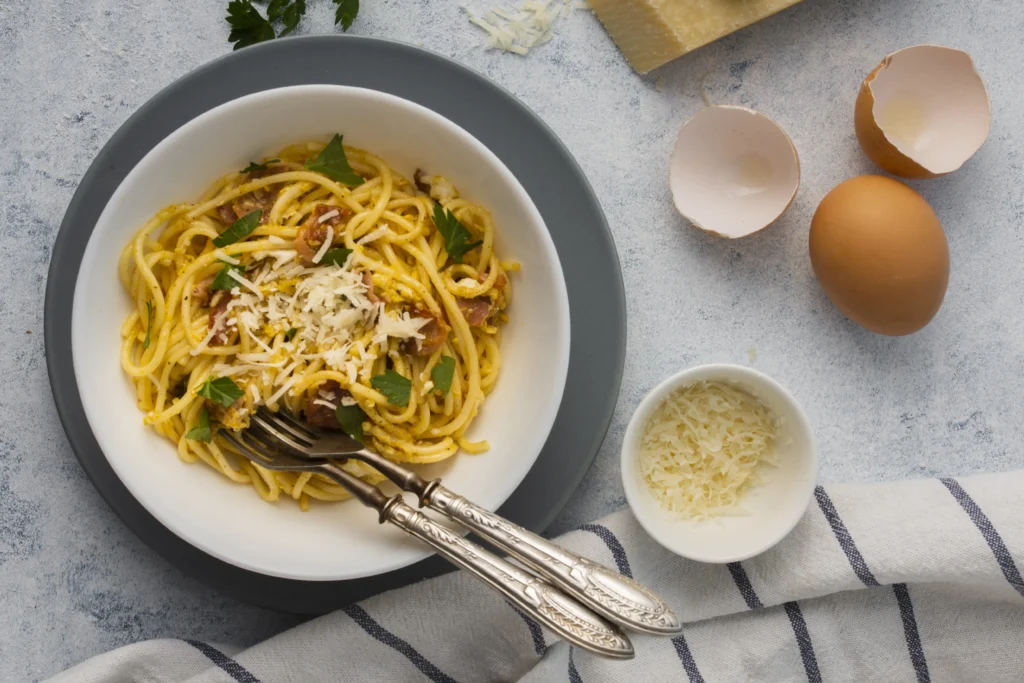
(733, 171)
(922, 112)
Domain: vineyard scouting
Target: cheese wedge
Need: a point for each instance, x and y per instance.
(653, 32)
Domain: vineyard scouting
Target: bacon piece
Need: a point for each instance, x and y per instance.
(368, 283)
(312, 234)
(218, 319)
(319, 415)
(230, 416)
(247, 203)
(476, 309)
(434, 333)
(499, 282)
(226, 214)
(201, 292)
(417, 179)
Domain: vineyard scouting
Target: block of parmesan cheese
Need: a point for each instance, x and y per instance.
(652, 32)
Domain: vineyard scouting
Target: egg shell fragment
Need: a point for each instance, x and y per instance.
(733, 171)
(923, 112)
(880, 253)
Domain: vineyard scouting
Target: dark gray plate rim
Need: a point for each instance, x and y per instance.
(495, 117)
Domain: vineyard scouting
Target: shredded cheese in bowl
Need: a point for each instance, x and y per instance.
(703, 447)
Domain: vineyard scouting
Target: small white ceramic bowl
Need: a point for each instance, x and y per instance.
(231, 522)
(773, 508)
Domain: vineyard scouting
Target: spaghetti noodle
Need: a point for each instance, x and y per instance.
(324, 283)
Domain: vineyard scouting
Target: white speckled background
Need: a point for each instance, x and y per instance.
(946, 401)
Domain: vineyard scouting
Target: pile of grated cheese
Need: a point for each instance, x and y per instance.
(528, 27)
(328, 306)
(702, 448)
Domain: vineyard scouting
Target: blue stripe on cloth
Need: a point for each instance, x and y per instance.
(574, 674)
(863, 572)
(535, 631)
(796, 619)
(803, 640)
(618, 552)
(622, 563)
(860, 567)
(226, 664)
(378, 632)
(739, 575)
(910, 631)
(689, 663)
(992, 537)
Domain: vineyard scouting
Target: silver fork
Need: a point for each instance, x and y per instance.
(563, 615)
(610, 594)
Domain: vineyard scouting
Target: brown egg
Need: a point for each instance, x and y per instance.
(880, 254)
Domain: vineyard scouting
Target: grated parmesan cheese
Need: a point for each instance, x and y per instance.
(519, 31)
(702, 448)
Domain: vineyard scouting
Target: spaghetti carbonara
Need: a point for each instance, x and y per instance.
(323, 283)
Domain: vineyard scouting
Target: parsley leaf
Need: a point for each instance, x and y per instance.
(222, 390)
(288, 11)
(335, 257)
(395, 387)
(149, 324)
(442, 374)
(346, 13)
(351, 419)
(290, 334)
(239, 229)
(333, 163)
(455, 234)
(201, 432)
(223, 280)
(253, 166)
(248, 26)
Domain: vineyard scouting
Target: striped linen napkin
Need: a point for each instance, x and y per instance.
(910, 581)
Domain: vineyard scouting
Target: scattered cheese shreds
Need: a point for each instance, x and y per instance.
(701, 449)
(519, 31)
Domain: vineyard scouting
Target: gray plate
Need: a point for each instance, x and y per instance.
(520, 139)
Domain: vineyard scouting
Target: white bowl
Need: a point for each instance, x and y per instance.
(231, 522)
(773, 508)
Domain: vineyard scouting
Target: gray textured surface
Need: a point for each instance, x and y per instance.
(74, 581)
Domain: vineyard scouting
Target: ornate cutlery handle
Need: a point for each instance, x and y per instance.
(563, 615)
(608, 593)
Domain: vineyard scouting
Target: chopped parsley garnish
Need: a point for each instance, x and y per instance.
(253, 166)
(222, 390)
(290, 334)
(351, 419)
(456, 236)
(149, 323)
(442, 374)
(395, 387)
(249, 27)
(201, 432)
(239, 229)
(223, 280)
(336, 257)
(288, 12)
(346, 13)
(333, 163)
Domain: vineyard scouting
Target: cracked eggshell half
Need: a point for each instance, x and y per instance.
(733, 171)
(923, 112)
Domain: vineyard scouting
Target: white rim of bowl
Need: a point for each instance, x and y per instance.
(628, 454)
